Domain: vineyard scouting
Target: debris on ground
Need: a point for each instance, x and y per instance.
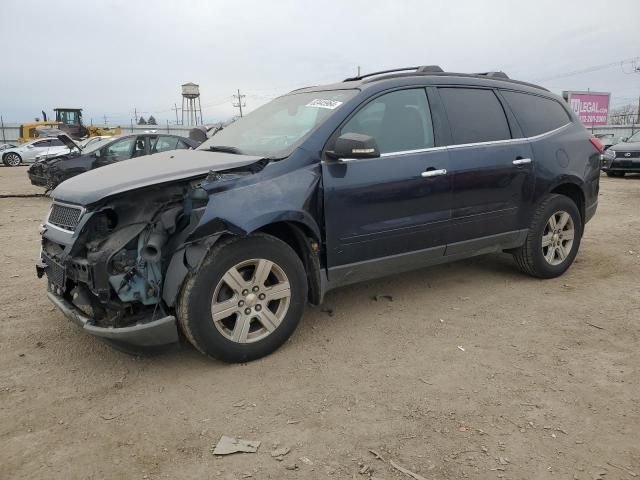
(630, 472)
(328, 311)
(379, 297)
(594, 326)
(377, 455)
(406, 471)
(109, 417)
(280, 452)
(227, 445)
(292, 421)
(365, 469)
(306, 460)
(292, 466)
(240, 404)
(461, 348)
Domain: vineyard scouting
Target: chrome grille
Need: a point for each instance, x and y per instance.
(55, 272)
(624, 155)
(64, 216)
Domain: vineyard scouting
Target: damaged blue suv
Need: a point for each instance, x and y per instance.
(320, 188)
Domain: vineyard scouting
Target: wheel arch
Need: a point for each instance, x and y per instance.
(574, 191)
(306, 243)
(302, 236)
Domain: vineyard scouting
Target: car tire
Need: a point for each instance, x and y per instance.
(615, 174)
(553, 239)
(11, 159)
(245, 300)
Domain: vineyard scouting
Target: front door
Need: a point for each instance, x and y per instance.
(492, 173)
(383, 209)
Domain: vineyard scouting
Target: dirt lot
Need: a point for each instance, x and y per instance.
(472, 370)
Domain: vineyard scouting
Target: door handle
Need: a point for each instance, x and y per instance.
(433, 173)
(521, 161)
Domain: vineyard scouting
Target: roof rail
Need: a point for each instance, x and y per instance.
(420, 69)
(499, 74)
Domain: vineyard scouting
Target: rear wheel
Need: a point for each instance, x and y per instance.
(553, 239)
(12, 159)
(615, 174)
(245, 300)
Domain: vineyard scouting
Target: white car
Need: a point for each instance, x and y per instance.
(27, 152)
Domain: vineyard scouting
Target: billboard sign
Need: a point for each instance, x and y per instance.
(592, 108)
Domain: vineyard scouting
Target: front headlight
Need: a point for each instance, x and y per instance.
(609, 155)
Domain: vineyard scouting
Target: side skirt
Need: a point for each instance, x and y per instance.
(381, 267)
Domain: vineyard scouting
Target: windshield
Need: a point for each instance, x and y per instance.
(276, 128)
(634, 138)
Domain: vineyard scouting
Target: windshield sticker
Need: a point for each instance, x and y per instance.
(322, 103)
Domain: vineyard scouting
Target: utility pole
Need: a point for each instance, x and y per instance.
(239, 102)
(358, 70)
(175, 107)
(105, 120)
(135, 114)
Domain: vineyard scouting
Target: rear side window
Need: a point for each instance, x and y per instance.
(475, 115)
(163, 144)
(535, 114)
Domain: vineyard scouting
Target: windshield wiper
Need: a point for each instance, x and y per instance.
(223, 148)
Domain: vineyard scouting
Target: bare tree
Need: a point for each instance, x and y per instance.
(624, 115)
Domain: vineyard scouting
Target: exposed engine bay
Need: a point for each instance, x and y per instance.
(114, 271)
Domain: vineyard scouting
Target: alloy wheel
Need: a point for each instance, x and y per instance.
(557, 238)
(13, 159)
(251, 300)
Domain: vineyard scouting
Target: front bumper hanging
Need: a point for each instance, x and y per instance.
(159, 332)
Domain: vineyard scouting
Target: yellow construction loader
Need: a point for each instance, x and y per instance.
(69, 121)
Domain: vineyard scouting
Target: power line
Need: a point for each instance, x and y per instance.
(594, 68)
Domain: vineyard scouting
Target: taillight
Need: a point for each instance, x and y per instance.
(595, 141)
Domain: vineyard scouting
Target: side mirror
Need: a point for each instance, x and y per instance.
(624, 139)
(354, 145)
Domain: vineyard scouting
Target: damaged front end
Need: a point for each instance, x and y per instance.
(106, 264)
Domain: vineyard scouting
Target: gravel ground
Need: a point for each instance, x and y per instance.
(470, 370)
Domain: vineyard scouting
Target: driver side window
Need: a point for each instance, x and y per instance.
(398, 121)
(120, 150)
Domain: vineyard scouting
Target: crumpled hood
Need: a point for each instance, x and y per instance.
(135, 173)
(626, 146)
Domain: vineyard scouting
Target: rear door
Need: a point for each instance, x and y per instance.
(387, 206)
(491, 171)
(41, 147)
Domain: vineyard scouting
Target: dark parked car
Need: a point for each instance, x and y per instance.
(623, 157)
(320, 188)
(50, 172)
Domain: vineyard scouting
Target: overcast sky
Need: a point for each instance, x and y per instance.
(112, 56)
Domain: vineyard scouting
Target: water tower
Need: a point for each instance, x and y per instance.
(191, 108)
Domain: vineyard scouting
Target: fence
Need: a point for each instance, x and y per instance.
(10, 132)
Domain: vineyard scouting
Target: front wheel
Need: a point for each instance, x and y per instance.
(245, 300)
(553, 239)
(12, 159)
